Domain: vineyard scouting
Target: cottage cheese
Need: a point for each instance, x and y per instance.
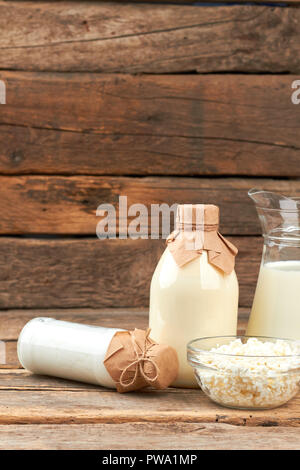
(253, 374)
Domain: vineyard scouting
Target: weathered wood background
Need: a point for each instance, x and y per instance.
(162, 103)
(108, 99)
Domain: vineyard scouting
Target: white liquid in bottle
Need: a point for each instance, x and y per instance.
(190, 302)
(276, 306)
(67, 350)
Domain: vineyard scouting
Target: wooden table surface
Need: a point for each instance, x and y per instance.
(38, 412)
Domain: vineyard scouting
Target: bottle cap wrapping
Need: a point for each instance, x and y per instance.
(197, 230)
(135, 361)
(197, 216)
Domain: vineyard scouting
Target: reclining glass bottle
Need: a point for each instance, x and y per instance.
(194, 289)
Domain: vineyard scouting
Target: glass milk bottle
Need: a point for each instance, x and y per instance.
(194, 289)
(276, 306)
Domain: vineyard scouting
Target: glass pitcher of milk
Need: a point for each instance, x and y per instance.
(194, 289)
(276, 305)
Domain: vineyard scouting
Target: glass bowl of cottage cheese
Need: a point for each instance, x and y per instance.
(246, 372)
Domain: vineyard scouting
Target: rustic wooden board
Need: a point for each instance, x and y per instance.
(11, 357)
(96, 273)
(20, 379)
(31, 406)
(76, 273)
(172, 124)
(67, 205)
(148, 38)
(204, 436)
(27, 150)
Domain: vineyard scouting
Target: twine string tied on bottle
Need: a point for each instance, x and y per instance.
(139, 363)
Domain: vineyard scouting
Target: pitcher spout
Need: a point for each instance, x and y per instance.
(273, 201)
(278, 214)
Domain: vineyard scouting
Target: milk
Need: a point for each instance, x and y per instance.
(67, 350)
(276, 306)
(190, 302)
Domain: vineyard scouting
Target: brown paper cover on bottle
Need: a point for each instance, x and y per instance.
(135, 361)
(197, 230)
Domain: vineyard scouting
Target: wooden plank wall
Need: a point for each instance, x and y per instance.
(159, 102)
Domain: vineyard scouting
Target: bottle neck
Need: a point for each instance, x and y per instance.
(190, 227)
